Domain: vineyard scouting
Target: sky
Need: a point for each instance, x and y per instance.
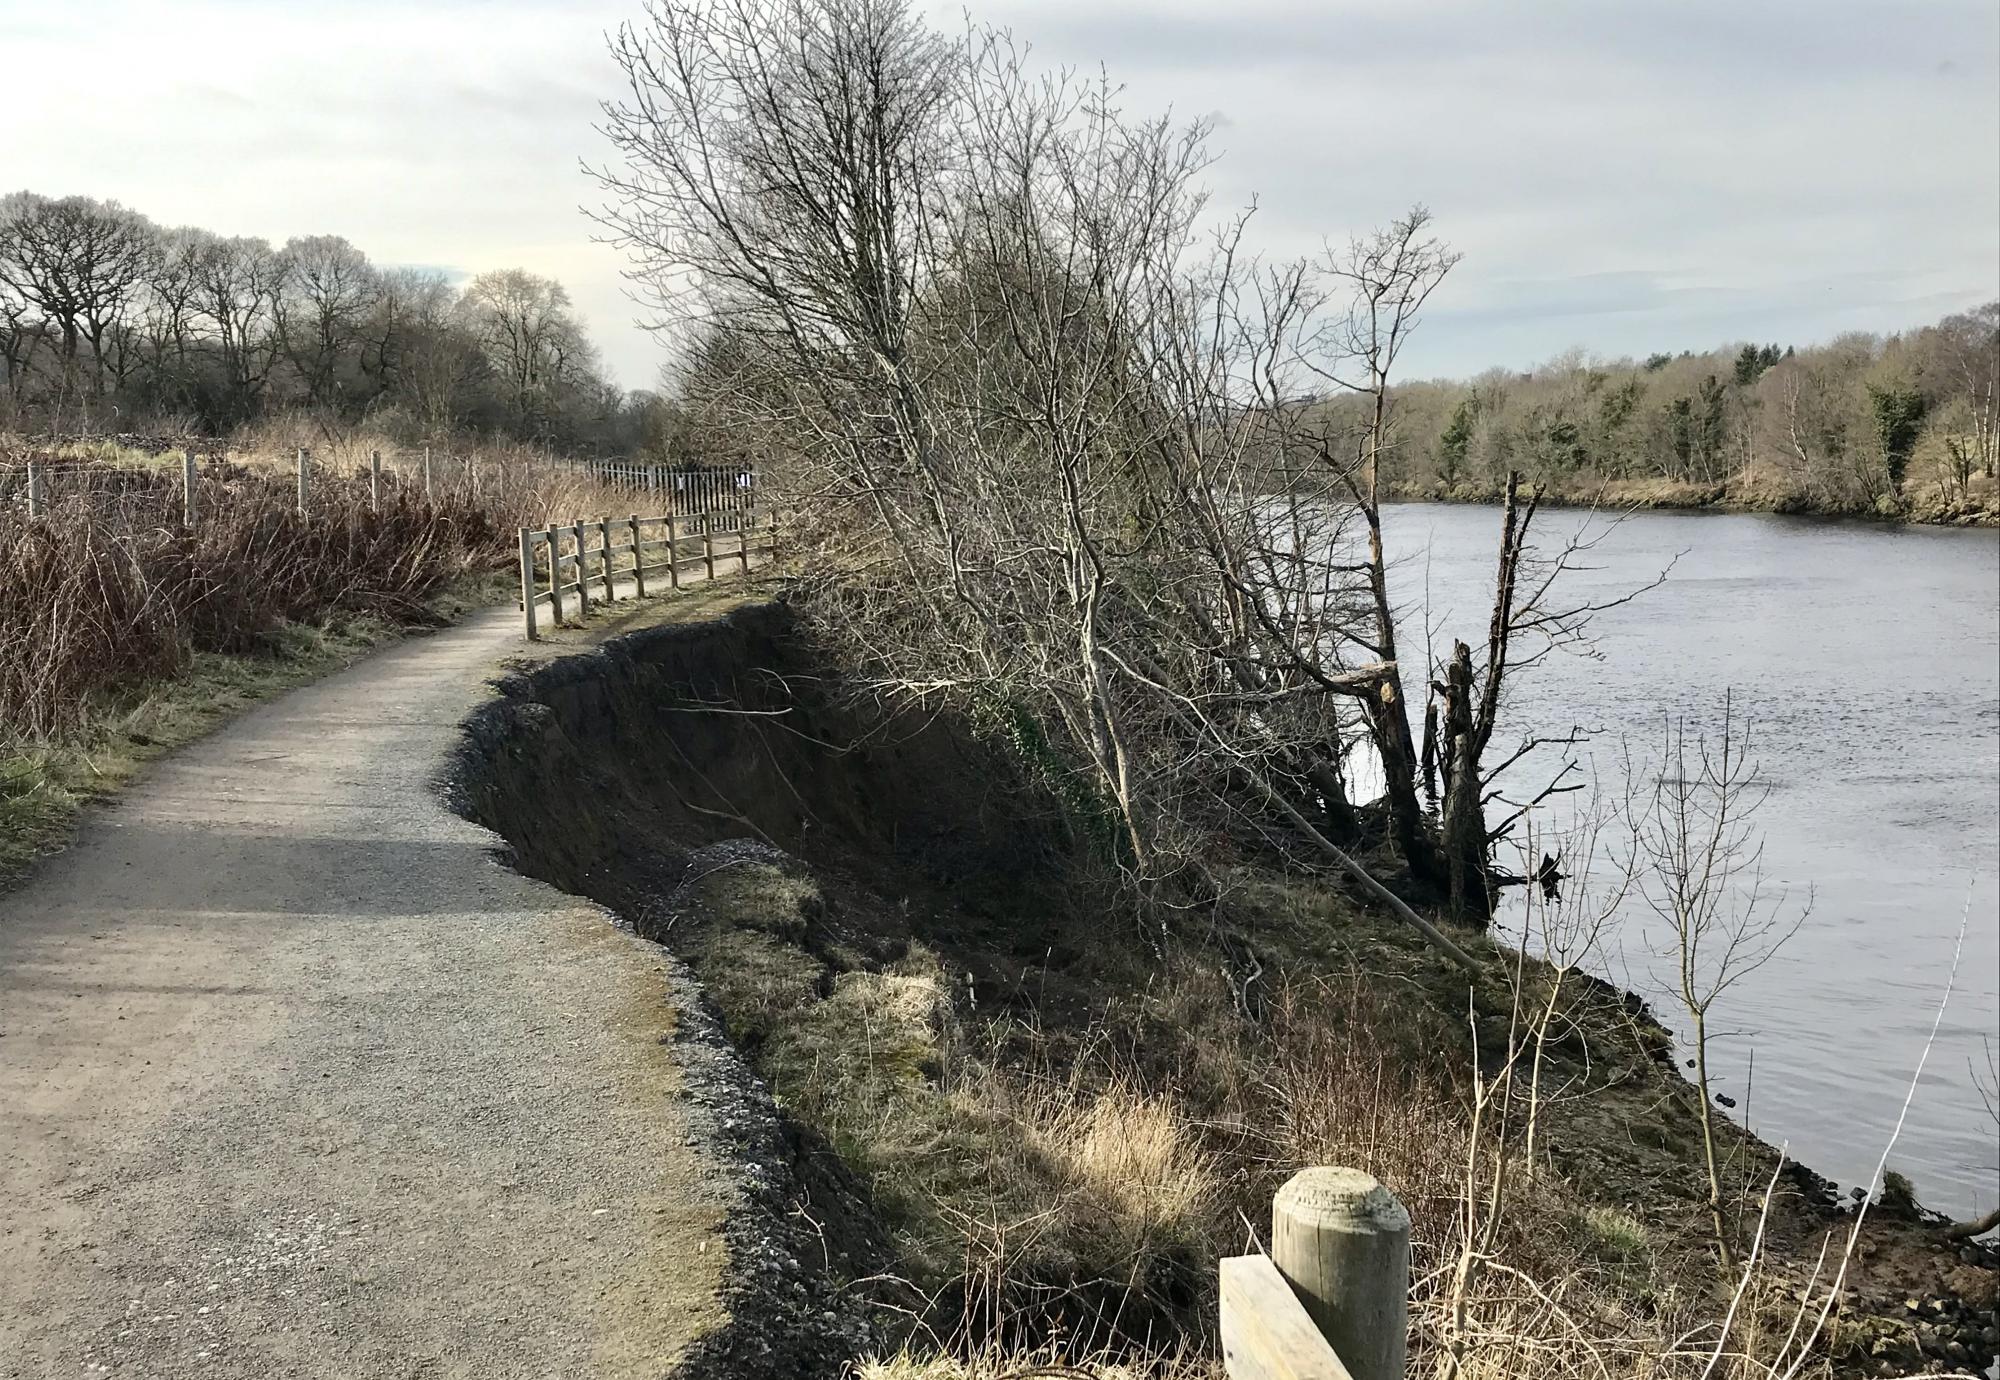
(1621, 176)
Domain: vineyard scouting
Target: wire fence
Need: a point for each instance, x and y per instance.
(143, 487)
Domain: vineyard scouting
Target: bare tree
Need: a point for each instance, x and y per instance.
(237, 284)
(977, 305)
(531, 339)
(81, 264)
(169, 323)
(1389, 276)
(326, 292)
(1696, 858)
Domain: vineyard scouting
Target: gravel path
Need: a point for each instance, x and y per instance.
(296, 1080)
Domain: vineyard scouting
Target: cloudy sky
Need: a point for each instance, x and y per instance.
(1621, 175)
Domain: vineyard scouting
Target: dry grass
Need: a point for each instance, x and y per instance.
(1064, 1194)
(1041, 1363)
(44, 783)
(126, 632)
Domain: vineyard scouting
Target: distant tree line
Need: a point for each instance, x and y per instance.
(1862, 422)
(110, 321)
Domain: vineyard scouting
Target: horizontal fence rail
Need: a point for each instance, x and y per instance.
(571, 565)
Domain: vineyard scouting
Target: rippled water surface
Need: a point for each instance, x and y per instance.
(1868, 662)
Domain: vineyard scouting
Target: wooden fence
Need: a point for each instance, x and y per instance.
(1331, 1300)
(570, 560)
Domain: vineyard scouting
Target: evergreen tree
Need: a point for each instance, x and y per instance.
(1899, 418)
(1457, 437)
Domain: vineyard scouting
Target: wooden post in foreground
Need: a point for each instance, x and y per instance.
(375, 481)
(528, 582)
(638, 557)
(673, 551)
(582, 574)
(708, 541)
(305, 481)
(35, 503)
(189, 501)
(555, 576)
(427, 473)
(1343, 1243)
(604, 537)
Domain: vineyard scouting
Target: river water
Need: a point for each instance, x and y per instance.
(1867, 662)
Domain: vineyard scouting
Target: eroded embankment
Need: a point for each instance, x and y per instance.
(1030, 1113)
(657, 772)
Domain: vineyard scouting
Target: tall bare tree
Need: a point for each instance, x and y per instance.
(82, 265)
(531, 339)
(977, 304)
(326, 291)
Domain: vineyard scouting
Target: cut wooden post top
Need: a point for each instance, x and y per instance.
(1337, 1199)
(1342, 1241)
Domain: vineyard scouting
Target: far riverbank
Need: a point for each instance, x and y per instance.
(1978, 507)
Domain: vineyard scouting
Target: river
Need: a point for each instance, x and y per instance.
(1866, 660)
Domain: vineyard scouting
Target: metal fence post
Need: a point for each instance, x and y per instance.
(528, 582)
(1343, 1243)
(189, 501)
(305, 481)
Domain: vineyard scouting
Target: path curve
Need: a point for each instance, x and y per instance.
(296, 1080)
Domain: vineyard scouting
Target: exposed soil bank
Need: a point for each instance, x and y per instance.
(651, 772)
(631, 773)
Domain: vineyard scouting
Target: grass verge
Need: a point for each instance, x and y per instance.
(46, 783)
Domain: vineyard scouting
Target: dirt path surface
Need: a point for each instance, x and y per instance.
(296, 1080)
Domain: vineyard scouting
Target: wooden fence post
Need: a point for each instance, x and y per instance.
(427, 474)
(528, 582)
(35, 502)
(708, 540)
(190, 502)
(638, 558)
(1343, 1243)
(582, 574)
(604, 538)
(305, 481)
(375, 481)
(673, 551)
(555, 576)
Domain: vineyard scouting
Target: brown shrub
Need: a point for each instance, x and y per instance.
(108, 586)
